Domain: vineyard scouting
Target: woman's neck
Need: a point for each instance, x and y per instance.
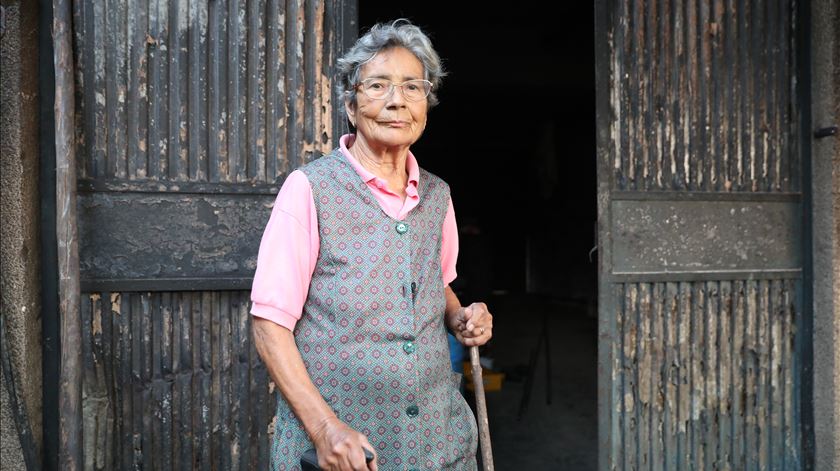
(385, 163)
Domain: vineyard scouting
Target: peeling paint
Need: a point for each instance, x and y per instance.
(115, 303)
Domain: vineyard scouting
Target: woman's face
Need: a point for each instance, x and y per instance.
(392, 121)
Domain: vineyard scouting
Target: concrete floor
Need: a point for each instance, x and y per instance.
(559, 436)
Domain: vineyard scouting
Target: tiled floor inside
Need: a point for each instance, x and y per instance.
(561, 435)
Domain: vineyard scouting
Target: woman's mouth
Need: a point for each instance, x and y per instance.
(395, 124)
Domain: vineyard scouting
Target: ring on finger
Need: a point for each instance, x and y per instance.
(482, 331)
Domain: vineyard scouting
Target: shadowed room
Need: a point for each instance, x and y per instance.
(514, 136)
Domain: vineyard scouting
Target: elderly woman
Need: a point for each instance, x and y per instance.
(351, 298)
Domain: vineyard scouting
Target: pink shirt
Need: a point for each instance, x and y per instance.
(290, 243)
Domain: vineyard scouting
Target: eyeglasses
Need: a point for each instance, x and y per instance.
(379, 88)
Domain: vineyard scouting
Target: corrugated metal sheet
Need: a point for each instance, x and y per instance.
(704, 95)
(219, 91)
(700, 295)
(172, 380)
(704, 376)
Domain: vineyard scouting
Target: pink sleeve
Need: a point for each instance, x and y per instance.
(288, 253)
(449, 246)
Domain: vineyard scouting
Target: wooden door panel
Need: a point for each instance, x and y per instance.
(700, 235)
(189, 116)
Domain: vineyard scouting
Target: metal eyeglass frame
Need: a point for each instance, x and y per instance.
(394, 85)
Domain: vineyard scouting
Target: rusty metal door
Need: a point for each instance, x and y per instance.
(189, 116)
(703, 359)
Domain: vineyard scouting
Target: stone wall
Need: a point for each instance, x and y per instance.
(19, 229)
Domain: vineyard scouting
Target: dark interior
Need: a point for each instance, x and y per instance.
(514, 136)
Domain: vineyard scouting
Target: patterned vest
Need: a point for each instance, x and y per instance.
(372, 335)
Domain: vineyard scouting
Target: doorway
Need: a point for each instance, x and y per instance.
(514, 136)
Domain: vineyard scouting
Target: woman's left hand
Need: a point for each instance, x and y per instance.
(473, 325)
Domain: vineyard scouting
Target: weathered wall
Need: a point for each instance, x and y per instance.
(826, 193)
(19, 210)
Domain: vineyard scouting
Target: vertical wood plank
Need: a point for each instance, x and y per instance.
(645, 371)
(225, 375)
(672, 389)
(156, 43)
(684, 448)
(659, 376)
(235, 39)
(739, 411)
(763, 357)
(726, 391)
(153, 383)
(630, 378)
(711, 371)
(751, 375)
(635, 150)
(294, 77)
(620, 99)
(775, 439)
(680, 77)
(789, 411)
(243, 411)
(203, 311)
(89, 418)
(617, 385)
(255, 142)
(166, 379)
(215, 83)
(121, 308)
(652, 159)
(183, 380)
(696, 377)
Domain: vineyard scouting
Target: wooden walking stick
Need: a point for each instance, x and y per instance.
(481, 408)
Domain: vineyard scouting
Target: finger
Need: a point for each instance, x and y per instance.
(373, 463)
(373, 466)
(357, 459)
(366, 446)
(344, 463)
(468, 316)
(478, 312)
(481, 339)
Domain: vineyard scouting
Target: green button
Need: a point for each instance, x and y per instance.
(412, 411)
(409, 347)
(402, 228)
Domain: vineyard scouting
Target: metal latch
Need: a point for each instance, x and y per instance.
(825, 132)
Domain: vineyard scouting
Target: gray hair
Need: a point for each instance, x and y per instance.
(382, 36)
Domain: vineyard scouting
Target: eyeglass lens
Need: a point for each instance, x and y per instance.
(412, 90)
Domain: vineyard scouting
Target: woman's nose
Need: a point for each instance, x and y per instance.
(396, 98)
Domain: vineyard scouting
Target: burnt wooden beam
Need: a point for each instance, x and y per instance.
(70, 387)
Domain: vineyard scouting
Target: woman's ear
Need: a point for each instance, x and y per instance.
(351, 112)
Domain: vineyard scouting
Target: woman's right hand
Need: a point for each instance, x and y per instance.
(339, 447)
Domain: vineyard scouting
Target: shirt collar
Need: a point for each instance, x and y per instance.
(410, 163)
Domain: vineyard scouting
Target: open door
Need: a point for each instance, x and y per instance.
(702, 263)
